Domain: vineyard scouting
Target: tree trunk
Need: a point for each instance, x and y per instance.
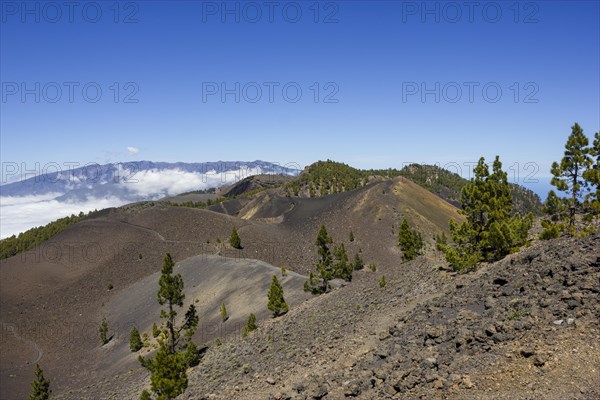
(574, 203)
(172, 328)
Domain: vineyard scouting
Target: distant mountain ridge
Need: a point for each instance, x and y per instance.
(328, 177)
(139, 180)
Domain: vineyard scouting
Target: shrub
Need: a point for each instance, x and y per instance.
(234, 239)
(145, 395)
(135, 341)
(358, 262)
(250, 325)
(276, 304)
(146, 339)
(155, 330)
(382, 282)
(224, 315)
(192, 354)
(103, 331)
(518, 314)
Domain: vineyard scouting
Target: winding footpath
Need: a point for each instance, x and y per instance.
(40, 353)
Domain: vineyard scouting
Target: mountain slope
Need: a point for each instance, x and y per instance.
(525, 327)
(373, 213)
(328, 177)
(68, 283)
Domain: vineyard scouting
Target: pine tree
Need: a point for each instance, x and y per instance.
(250, 325)
(170, 293)
(234, 239)
(168, 373)
(342, 268)
(135, 341)
(103, 331)
(489, 232)
(568, 175)
(324, 265)
(409, 241)
(224, 315)
(351, 236)
(169, 364)
(40, 387)
(276, 304)
(358, 262)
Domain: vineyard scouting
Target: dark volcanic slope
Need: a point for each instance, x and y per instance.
(63, 286)
(210, 281)
(523, 328)
(373, 213)
(54, 294)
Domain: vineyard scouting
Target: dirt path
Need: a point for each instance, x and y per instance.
(40, 353)
(152, 231)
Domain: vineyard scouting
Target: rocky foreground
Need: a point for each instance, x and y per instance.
(526, 327)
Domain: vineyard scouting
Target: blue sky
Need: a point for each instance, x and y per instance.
(369, 61)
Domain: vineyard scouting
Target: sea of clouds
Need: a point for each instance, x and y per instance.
(25, 212)
(20, 213)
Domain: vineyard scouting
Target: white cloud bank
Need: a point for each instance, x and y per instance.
(22, 213)
(157, 183)
(19, 214)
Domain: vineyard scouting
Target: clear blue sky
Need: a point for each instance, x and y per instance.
(372, 54)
